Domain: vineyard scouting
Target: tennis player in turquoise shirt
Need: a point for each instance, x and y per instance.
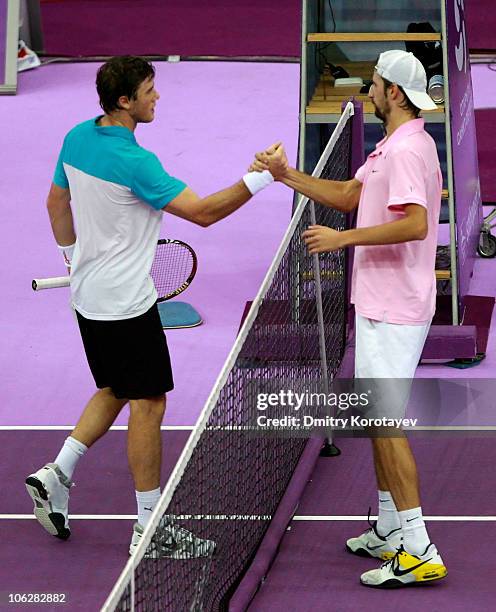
(115, 192)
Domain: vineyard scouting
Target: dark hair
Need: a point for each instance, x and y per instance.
(407, 104)
(121, 76)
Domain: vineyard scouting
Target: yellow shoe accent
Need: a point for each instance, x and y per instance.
(422, 570)
(405, 569)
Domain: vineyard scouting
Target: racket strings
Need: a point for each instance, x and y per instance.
(172, 267)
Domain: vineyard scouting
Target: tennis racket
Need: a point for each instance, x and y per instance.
(173, 270)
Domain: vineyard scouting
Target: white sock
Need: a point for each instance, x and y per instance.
(415, 537)
(69, 455)
(388, 519)
(147, 500)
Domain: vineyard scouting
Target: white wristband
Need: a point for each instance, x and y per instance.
(256, 181)
(67, 253)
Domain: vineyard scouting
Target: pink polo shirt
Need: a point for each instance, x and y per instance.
(396, 283)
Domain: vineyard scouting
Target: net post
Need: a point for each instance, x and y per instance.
(320, 311)
(329, 449)
(132, 589)
(356, 160)
(357, 137)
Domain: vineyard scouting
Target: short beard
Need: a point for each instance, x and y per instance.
(383, 116)
(378, 114)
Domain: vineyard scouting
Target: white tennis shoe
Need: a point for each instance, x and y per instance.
(49, 489)
(172, 541)
(371, 544)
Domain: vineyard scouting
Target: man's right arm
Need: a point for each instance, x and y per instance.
(210, 209)
(152, 184)
(341, 195)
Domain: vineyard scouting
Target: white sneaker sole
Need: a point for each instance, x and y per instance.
(53, 522)
(396, 583)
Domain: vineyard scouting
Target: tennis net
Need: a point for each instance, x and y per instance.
(229, 481)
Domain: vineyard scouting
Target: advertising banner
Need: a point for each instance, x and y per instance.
(468, 206)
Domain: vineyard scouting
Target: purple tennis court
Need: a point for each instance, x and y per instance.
(211, 118)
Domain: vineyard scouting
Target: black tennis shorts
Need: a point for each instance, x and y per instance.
(130, 355)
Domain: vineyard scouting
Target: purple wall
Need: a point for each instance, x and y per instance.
(188, 27)
(464, 146)
(3, 38)
(481, 20)
(175, 27)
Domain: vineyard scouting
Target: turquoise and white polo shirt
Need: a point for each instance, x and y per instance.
(117, 192)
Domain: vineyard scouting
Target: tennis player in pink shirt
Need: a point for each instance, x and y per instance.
(398, 195)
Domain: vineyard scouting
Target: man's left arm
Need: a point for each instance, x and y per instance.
(413, 226)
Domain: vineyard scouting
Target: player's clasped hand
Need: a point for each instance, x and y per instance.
(273, 159)
(320, 239)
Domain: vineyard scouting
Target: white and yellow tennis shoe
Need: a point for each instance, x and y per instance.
(49, 490)
(405, 569)
(371, 544)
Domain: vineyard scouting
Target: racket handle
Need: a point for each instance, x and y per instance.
(50, 283)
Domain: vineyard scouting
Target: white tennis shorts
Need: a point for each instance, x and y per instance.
(387, 350)
(387, 356)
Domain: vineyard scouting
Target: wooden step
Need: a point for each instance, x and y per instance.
(373, 37)
(336, 275)
(324, 275)
(443, 275)
(332, 106)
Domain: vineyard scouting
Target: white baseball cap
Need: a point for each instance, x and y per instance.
(405, 70)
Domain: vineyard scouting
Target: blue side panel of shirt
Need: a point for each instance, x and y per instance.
(99, 152)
